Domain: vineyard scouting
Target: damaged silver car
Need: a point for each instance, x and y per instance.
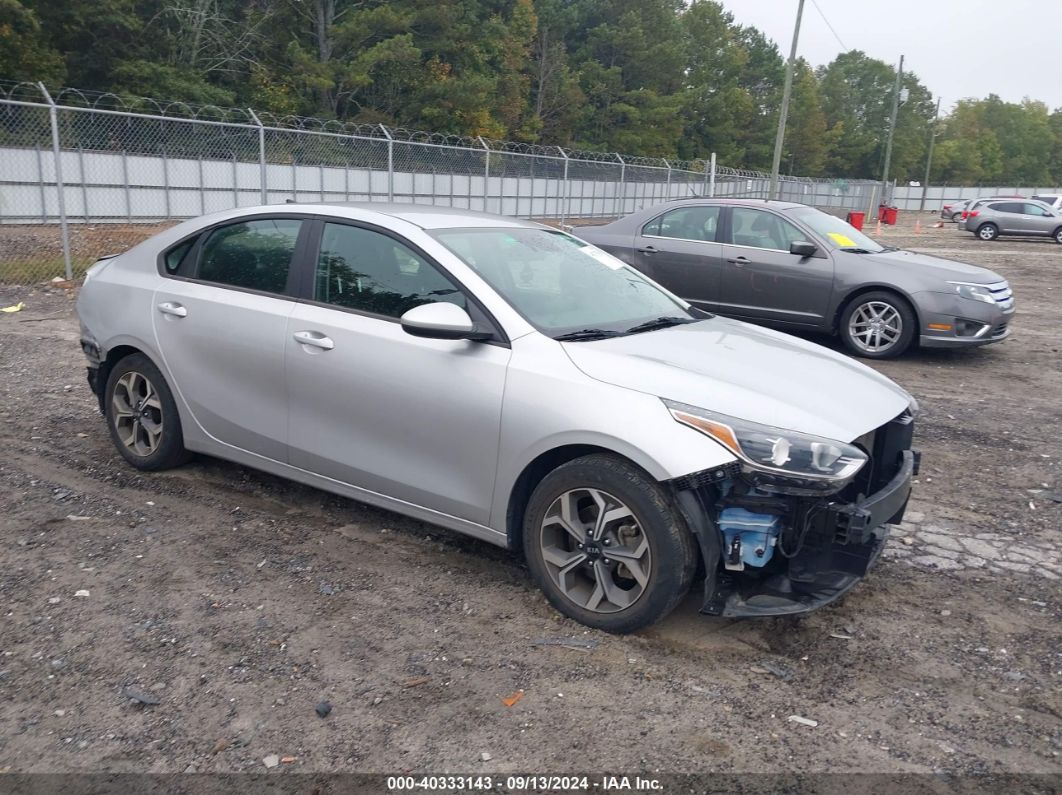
(508, 381)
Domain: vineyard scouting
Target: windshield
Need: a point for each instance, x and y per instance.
(561, 284)
(837, 233)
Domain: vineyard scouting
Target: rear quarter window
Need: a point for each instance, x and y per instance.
(175, 257)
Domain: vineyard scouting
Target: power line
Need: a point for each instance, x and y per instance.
(834, 32)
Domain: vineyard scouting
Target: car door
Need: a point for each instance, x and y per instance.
(762, 280)
(220, 319)
(411, 418)
(680, 249)
(1037, 220)
(1006, 215)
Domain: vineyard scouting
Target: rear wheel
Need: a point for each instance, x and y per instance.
(606, 545)
(988, 231)
(1058, 235)
(142, 416)
(878, 325)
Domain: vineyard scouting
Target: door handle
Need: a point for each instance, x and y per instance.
(739, 261)
(174, 309)
(314, 340)
(647, 250)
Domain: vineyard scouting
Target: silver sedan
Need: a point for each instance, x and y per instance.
(508, 381)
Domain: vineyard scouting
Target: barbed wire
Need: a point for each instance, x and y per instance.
(107, 101)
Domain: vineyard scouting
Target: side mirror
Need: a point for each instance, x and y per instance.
(803, 248)
(441, 321)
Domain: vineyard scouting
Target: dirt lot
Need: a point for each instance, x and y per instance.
(240, 601)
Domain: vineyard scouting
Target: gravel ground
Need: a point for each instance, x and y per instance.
(239, 601)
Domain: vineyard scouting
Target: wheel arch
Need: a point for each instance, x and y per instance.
(533, 473)
(114, 355)
(863, 289)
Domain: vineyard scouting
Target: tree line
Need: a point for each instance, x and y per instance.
(666, 78)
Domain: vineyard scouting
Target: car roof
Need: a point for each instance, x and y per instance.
(774, 203)
(426, 216)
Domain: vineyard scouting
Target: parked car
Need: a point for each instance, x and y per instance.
(508, 381)
(973, 204)
(791, 265)
(952, 211)
(1052, 200)
(1025, 218)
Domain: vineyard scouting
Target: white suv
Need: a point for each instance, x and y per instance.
(1053, 200)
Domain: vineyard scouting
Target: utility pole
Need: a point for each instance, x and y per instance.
(779, 137)
(892, 129)
(929, 157)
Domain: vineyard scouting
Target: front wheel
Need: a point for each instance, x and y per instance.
(988, 231)
(142, 415)
(1058, 235)
(606, 545)
(878, 325)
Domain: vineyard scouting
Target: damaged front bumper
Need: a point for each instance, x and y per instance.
(827, 543)
(844, 542)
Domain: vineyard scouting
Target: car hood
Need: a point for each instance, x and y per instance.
(748, 372)
(927, 264)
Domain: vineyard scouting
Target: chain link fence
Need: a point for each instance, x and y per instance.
(86, 175)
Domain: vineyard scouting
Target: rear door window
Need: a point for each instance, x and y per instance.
(687, 223)
(253, 255)
(1007, 207)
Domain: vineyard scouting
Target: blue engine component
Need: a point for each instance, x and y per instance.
(749, 538)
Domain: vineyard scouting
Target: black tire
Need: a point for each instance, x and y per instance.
(1058, 235)
(956, 217)
(672, 555)
(130, 431)
(987, 232)
(908, 327)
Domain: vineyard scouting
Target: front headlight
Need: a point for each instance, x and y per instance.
(776, 451)
(975, 292)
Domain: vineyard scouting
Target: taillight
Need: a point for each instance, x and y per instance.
(965, 214)
(975, 213)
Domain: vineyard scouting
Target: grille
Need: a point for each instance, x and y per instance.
(1003, 294)
(999, 330)
(695, 480)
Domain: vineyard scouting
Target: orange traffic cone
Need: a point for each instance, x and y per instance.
(877, 229)
(938, 225)
(918, 227)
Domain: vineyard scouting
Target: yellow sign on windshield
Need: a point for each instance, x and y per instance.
(842, 240)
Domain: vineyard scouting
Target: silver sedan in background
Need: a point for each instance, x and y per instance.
(508, 381)
(793, 266)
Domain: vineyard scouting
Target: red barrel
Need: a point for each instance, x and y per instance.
(891, 213)
(856, 220)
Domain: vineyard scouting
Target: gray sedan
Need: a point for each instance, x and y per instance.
(511, 382)
(1019, 218)
(786, 264)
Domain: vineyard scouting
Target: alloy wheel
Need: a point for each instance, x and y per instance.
(987, 233)
(875, 326)
(595, 550)
(137, 413)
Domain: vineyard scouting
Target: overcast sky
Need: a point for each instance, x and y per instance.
(958, 48)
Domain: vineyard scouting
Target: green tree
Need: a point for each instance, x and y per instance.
(25, 53)
(734, 78)
(806, 140)
(857, 95)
